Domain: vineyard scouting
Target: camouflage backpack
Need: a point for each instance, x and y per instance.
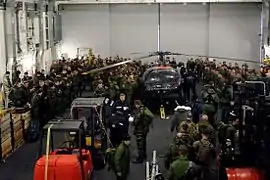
(109, 155)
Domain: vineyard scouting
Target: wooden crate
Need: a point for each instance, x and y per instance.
(16, 118)
(6, 135)
(26, 115)
(6, 147)
(26, 118)
(18, 138)
(18, 130)
(26, 125)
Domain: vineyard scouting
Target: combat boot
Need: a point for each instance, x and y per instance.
(145, 156)
(138, 160)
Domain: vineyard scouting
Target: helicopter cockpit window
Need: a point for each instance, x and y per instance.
(161, 76)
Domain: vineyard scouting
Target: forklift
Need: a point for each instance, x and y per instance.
(92, 111)
(70, 161)
(246, 158)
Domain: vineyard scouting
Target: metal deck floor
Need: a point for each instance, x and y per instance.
(20, 165)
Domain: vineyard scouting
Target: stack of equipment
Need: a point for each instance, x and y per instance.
(5, 136)
(13, 127)
(18, 130)
(21, 123)
(26, 118)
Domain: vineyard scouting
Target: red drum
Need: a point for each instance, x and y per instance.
(244, 174)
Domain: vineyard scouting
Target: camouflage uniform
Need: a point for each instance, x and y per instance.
(178, 169)
(122, 161)
(142, 122)
(100, 91)
(210, 104)
(128, 91)
(206, 124)
(207, 160)
(182, 138)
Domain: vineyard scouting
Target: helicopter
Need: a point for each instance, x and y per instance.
(160, 82)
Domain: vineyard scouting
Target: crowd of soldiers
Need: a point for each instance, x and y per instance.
(49, 94)
(46, 95)
(196, 140)
(200, 136)
(120, 79)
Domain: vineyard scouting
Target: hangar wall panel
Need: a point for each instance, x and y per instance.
(85, 26)
(224, 30)
(110, 29)
(234, 31)
(184, 28)
(133, 29)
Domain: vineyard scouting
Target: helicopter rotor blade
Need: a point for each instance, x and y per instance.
(118, 64)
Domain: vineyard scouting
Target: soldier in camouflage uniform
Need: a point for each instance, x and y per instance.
(211, 100)
(122, 159)
(142, 122)
(113, 89)
(182, 138)
(204, 123)
(100, 91)
(206, 156)
(179, 167)
(129, 88)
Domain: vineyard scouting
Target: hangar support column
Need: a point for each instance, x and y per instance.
(3, 56)
(39, 60)
(10, 34)
(158, 30)
(264, 34)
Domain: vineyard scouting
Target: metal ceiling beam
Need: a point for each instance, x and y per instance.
(151, 1)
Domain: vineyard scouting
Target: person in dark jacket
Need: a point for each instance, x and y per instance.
(119, 123)
(122, 159)
(18, 96)
(35, 106)
(196, 109)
